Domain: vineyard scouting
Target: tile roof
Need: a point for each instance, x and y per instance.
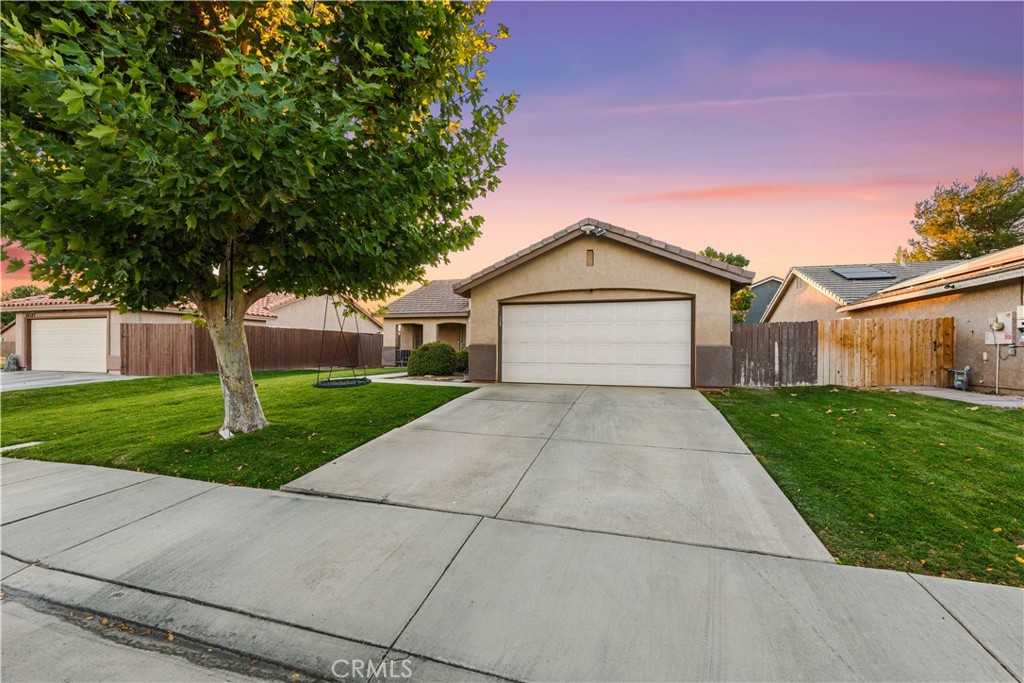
(846, 291)
(701, 261)
(434, 298)
(257, 310)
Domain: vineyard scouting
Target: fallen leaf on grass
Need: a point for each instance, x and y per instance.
(1019, 558)
(997, 529)
(971, 408)
(775, 414)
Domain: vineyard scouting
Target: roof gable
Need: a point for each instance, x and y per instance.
(589, 226)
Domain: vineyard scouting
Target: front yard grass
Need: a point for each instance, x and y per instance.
(895, 480)
(167, 425)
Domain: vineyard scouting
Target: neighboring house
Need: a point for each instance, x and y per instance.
(598, 304)
(52, 333)
(431, 313)
(817, 292)
(317, 313)
(972, 292)
(764, 291)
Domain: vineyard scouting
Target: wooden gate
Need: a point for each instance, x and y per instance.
(850, 352)
(869, 352)
(775, 354)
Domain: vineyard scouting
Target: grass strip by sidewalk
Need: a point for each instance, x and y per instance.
(167, 425)
(895, 480)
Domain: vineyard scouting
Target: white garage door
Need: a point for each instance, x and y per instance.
(629, 343)
(70, 344)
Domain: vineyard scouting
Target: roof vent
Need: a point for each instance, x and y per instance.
(862, 273)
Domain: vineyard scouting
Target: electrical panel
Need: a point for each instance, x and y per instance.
(1003, 331)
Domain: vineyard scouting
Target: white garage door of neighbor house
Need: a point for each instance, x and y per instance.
(626, 343)
(70, 344)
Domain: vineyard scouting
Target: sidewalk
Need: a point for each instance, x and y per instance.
(991, 400)
(302, 583)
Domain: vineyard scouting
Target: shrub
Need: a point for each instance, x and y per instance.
(435, 358)
(463, 360)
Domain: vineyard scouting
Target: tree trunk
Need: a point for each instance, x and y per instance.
(242, 410)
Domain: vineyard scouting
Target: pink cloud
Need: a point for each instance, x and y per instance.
(869, 192)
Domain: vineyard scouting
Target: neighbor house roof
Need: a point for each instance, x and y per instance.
(272, 302)
(1007, 264)
(45, 302)
(432, 300)
(739, 276)
(849, 289)
(766, 280)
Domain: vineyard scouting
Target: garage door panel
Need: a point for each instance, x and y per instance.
(633, 343)
(69, 344)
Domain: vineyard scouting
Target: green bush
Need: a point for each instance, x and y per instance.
(435, 358)
(463, 360)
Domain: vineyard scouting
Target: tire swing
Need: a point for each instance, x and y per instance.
(331, 382)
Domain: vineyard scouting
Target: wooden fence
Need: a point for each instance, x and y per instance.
(849, 352)
(180, 349)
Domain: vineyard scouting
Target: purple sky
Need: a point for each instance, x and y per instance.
(795, 133)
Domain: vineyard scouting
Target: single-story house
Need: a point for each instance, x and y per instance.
(431, 313)
(763, 291)
(51, 333)
(598, 304)
(972, 292)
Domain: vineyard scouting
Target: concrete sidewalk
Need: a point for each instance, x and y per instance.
(975, 397)
(39, 379)
(302, 583)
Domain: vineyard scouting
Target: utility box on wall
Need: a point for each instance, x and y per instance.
(1003, 331)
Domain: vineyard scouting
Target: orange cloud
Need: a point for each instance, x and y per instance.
(868, 192)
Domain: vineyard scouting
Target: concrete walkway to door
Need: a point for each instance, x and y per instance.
(651, 463)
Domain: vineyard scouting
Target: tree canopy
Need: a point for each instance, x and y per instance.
(16, 292)
(213, 152)
(743, 299)
(962, 222)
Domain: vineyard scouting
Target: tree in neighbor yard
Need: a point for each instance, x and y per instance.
(16, 292)
(209, 153)
(962, 222)
(744, 298)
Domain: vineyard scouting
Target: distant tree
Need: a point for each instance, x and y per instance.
(741, 300)
(157, 153)
(16, 292)
(962, 222)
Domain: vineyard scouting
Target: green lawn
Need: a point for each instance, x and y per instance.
(895, 480)
(167, 425)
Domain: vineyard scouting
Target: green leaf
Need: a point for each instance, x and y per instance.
(191, 222)
(75, 175)
(74, 99)
(104, 133)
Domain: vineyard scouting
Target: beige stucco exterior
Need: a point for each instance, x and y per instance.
(399, 332)
(971, 308)
(799, 302)
(619, 272)
(308, 314)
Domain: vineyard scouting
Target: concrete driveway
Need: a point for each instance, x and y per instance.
(38, 379)
(651, 463)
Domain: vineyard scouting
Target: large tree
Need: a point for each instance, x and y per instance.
(208, 153)
(742, 299)
(961, 221)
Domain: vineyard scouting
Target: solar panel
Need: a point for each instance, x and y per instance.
(862, 273)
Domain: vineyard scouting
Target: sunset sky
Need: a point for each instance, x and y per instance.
(795, 133)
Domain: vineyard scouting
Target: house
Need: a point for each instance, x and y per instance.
(592, 304)
(763, 291)
(973, 292)
(317, 313)
(431, 313)
(817, 292)
(51, 333)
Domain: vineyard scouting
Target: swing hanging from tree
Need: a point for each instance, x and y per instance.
(353, 380)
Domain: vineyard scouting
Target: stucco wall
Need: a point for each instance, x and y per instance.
(308, 314)
(430, 332)
(801, 302)
(619, 272)
(972, 308)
